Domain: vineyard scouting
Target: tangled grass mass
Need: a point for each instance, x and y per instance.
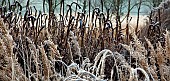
(78, 47)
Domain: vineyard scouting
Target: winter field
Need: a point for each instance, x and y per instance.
(83, 46)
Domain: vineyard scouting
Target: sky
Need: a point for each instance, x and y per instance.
(39, 5)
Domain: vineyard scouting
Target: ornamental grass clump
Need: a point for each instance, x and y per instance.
(36, 46)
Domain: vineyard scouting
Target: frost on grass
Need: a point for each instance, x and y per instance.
(31, 50)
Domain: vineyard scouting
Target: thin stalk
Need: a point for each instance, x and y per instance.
(102, 4)
(84, 6)
(159, 15)
(76, 8)
(27, 6)
(136, 30)
(50, 8)
(60, 9)
(63, 6)
(127, 24)
(44, 6)
(118, 23)
(89, 8)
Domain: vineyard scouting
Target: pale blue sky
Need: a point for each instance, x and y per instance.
(38, 4)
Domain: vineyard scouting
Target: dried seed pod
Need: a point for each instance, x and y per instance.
(20, 7)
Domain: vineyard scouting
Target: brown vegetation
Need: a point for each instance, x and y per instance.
(38, 47)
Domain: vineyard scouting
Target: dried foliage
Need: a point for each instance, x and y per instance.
(36, 46)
